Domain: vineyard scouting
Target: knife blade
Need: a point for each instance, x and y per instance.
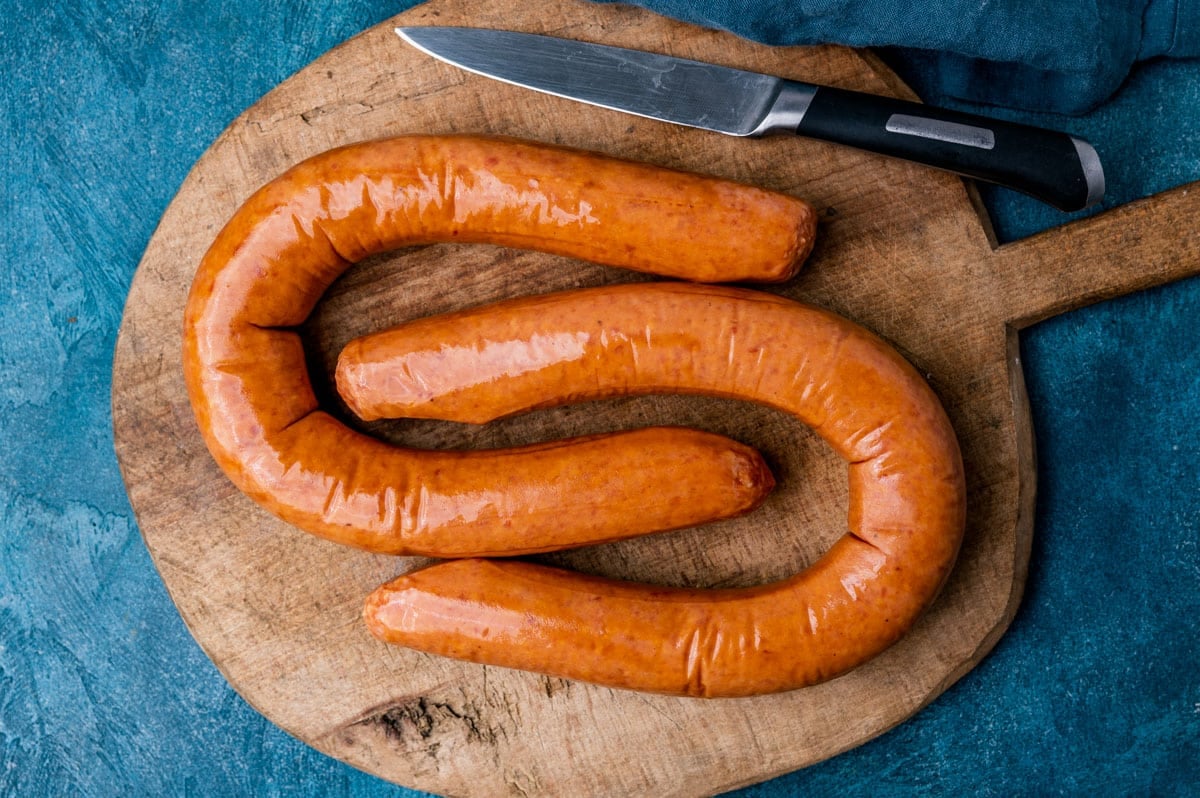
(1051, 166)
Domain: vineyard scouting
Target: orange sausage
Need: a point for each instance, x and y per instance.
(248, 381)
(906, 495)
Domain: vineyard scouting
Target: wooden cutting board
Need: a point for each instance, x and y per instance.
(902, 250)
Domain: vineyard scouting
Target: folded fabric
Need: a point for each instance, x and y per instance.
(1065, 56)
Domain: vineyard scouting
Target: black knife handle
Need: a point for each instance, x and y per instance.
(1053, 167)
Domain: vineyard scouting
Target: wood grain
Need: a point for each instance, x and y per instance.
(902, 250)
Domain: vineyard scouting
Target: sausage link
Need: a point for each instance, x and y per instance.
(907, 496)
(249, 386)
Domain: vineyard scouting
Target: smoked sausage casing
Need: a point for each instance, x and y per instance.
(906, 495)
(249, 387)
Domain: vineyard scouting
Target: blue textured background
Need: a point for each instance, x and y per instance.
(106, 105)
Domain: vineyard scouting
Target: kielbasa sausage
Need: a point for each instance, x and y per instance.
(249, 386)
(907, 490)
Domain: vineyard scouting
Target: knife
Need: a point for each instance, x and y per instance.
(1054, 167)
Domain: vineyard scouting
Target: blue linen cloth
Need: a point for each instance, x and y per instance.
(1065, 56)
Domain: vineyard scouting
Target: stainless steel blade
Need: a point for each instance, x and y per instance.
(676, 90)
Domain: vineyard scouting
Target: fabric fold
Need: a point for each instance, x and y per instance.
(1063, 56)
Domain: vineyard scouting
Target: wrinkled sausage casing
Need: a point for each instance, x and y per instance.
(906, 492)
(249, 386)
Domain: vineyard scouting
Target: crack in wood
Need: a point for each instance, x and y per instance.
(428, 720)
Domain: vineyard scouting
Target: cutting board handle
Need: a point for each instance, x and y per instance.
(1136, 246)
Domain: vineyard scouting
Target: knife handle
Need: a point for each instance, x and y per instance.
(1050, 166)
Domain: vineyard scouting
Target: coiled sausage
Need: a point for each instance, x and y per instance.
(906, 493)
(249, 387)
